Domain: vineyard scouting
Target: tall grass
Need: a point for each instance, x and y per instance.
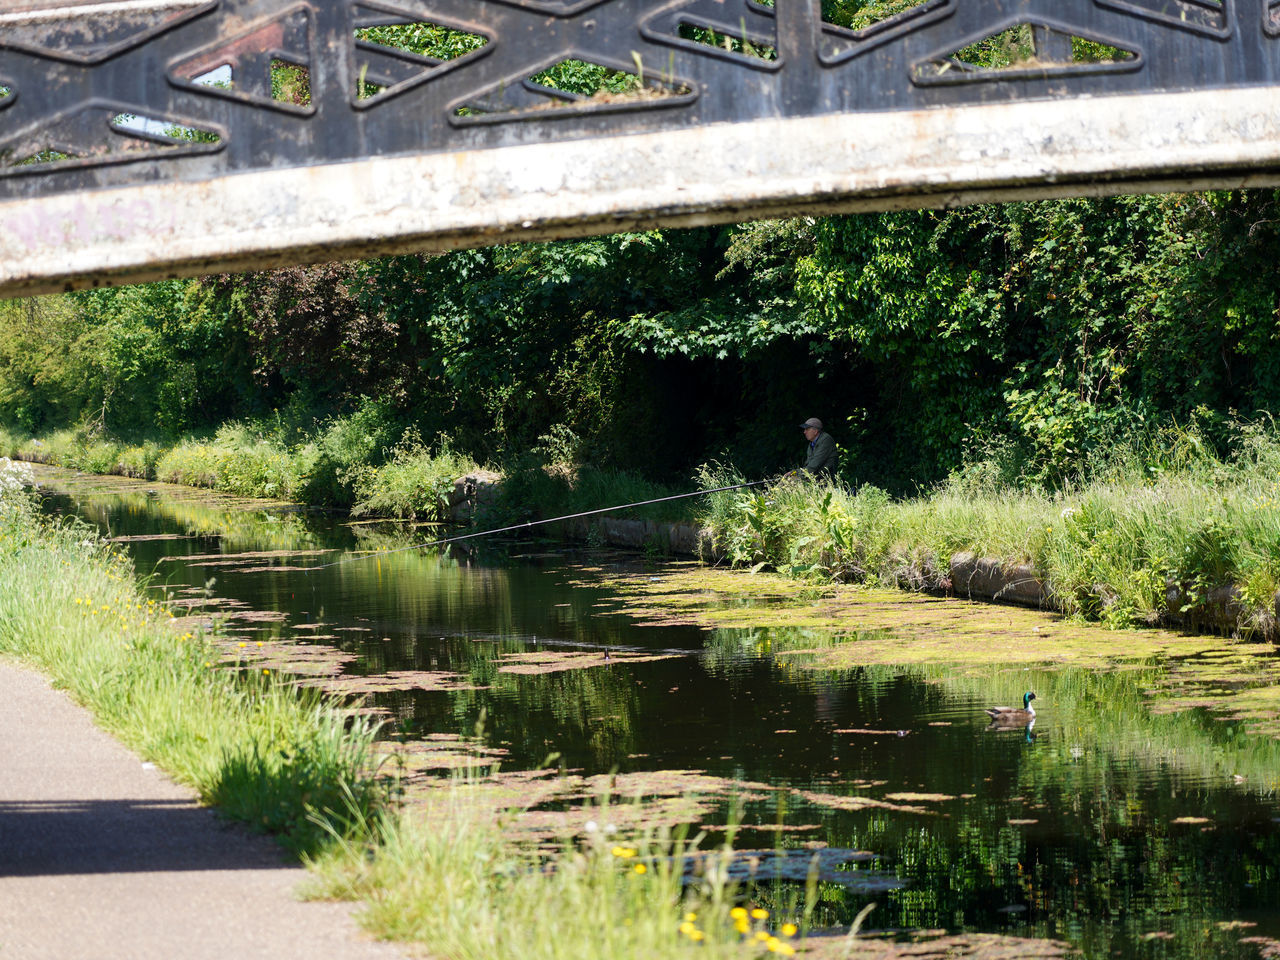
(415, 482)
(1176, 520)
(353, 462)
(236, 460)
(79, 450)
(289, 762)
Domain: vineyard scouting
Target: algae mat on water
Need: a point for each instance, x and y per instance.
(837, 626)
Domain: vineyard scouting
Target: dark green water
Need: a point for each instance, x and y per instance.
(1066, 831)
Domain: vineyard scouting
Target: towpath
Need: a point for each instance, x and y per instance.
(104, 857)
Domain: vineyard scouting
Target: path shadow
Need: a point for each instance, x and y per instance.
(51, 837)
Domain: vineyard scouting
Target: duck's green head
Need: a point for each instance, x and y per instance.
(1026, 700)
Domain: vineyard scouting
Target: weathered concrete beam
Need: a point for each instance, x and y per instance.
(939, 157)
(18, 11)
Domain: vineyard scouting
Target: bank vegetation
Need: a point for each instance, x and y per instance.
(301, 766)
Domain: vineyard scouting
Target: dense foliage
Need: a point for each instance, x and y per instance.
(1039, 331)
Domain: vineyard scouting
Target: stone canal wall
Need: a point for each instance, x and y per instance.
(679, 539)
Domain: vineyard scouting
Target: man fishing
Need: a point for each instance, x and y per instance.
(820, 464)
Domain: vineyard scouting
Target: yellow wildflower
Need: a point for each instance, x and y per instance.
(696, 936)
(738, 913)
(759, 913)
(687, 928)
(640, 868)
(762, 936)
(789, 929)
(690, 917)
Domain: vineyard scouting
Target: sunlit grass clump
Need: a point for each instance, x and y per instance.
(415, 482)
(350, 461)
(237, 460)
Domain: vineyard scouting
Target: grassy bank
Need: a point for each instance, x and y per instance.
(247, 741)
(1171, 514)
(297, 765)
(349, 463)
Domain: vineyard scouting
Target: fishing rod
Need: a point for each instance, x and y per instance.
(536, 523)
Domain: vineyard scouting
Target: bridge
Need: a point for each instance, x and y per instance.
(142, 139)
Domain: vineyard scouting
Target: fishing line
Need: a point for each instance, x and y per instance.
(535, 523)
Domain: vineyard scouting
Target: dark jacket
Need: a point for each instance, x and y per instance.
(821, 462)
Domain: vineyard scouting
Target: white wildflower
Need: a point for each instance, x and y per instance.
(14, 479)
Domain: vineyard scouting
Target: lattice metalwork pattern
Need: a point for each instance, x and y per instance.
(120, 92)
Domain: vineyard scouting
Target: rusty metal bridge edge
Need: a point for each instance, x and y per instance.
(268, 195)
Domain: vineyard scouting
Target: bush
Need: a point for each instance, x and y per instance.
(415, 483)
(330, 461)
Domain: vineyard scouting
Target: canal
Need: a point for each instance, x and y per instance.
(1124, 821)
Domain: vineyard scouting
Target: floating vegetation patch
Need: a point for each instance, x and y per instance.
(873, 733)
(394, 680)
(540, 662)
(257, 616)
(543, 805)
(244, 562)
(841, 627)
(269, 568)
(148, 537)
(1239, 684)
(440, 752)
(836, 801)
(302, 659)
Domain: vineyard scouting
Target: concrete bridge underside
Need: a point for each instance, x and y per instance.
(122, 161)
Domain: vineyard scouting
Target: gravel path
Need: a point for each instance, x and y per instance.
(103, 857)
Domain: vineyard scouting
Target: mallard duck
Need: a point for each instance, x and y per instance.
(1014, 716)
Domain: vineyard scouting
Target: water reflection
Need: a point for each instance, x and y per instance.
(1126, 831)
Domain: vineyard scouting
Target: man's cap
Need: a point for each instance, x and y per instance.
(811, 422)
